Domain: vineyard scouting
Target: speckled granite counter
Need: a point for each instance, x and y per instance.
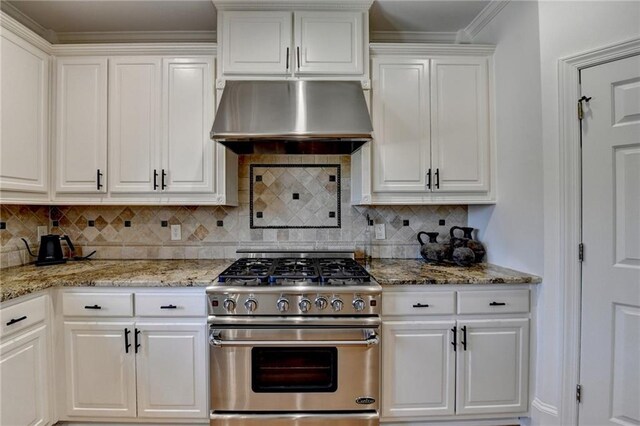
(21, 280)
(408, 271)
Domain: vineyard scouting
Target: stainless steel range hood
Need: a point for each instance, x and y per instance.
(292, 117)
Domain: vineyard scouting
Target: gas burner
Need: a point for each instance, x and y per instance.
(247, 272)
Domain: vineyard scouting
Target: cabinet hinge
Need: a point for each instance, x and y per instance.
(579, 393)
(581, 252)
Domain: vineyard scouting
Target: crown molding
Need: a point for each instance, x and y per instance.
(543, 407)
(168, 49)
(26, 20)
(292, 4)
(137, 37)
(425, 49)
(483, 18)
(412, 37)
(11, 24)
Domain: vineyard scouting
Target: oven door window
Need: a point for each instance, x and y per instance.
(294, 369)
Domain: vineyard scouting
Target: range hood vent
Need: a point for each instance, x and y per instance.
(292, 117)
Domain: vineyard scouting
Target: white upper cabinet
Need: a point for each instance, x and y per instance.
(460, 124)
(329, 42)
(402, 155)
(81, 125)
(432, 138)
(24, 132)
(134, 124)
(256, 43)
(187, 152)
(293, 43)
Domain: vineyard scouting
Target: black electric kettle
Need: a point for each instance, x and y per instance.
(50, 252)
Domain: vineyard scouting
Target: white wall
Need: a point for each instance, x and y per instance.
(522, 230)
(566, 28)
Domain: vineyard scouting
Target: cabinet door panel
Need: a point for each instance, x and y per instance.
(24, 380)
(187, 151)
(329, 42)
(100, 374)
(25, 123)
(401, 146)
(134, 123)
(171, 370)
(256, 42)
(81, 124)
(493, 371)
(418, 369)
(460, 124)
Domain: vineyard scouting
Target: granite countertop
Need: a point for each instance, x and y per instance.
(21, 280)
(410, 271)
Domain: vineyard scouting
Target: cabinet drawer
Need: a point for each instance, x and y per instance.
(98, 304)
(23, 315)
(419, 303)
(493, 302)
(171, 305)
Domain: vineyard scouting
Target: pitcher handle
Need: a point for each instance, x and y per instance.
(453, 229)
(420, 238)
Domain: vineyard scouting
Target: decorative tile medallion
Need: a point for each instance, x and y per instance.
(294, 196)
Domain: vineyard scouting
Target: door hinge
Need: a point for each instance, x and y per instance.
(579, 393)
(581, 252)
(580, 110)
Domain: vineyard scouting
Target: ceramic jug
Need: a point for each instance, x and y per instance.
(467, 241)
(432, 250)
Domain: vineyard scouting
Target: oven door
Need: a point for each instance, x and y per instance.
(294, 369)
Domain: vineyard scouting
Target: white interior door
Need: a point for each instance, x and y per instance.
(610, 341)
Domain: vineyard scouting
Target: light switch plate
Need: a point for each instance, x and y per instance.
(176, 233)
(42, 230)
(380, 231)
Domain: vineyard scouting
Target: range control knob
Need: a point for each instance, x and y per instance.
(251, 305)
(321, 302)
(229, 305)
(358, 304)
(305, 305)
(283, 305)
(337, 305)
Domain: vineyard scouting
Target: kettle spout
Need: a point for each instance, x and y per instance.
(28, 248)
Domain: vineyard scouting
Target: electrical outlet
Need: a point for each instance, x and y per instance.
(176, 233)
(380, 231)
(42, 230)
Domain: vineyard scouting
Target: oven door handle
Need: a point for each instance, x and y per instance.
(371, 339)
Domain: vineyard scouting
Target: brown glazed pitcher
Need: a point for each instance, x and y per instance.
(467, 241)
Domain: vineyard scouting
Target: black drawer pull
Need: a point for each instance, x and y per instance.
(464, 337)
(454, 330)
(497, 304)
(93, 307)
(15, 320)
(127, 345)
(136, 342)
(421, 305)
(169, 307)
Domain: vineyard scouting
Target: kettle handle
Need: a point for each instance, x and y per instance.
(69, 243)
(453, 229)
(420, 238)
(28, 248)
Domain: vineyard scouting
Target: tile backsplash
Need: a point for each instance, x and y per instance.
(141, 232)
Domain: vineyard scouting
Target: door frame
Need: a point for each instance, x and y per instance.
(570, 269)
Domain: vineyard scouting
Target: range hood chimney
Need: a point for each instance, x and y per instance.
(292, 117)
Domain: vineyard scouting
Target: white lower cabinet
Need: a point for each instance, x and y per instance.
(100, 369)
(439, 362)
(121, 366)
(493, 366)
(419, 368)
(171, 378)
(24, 383)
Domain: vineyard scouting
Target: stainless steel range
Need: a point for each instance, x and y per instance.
(294, 340)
